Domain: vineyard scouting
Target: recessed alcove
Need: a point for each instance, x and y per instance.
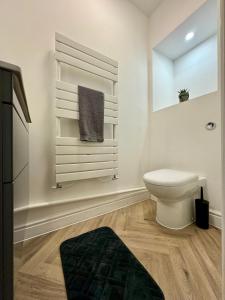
(187, 59)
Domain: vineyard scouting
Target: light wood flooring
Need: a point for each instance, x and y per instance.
(186, 264)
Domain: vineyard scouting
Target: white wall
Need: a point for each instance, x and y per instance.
(180, 141)
(197, 70)
(178, 136)
(113, 27)
(163, 81)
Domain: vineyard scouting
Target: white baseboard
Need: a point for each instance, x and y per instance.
(215, 217)
(42, 219)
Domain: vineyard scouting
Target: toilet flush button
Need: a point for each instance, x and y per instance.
(210, 126)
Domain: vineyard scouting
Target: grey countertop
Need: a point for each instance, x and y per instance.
(18, 86)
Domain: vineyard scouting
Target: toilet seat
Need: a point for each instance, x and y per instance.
(170, 178)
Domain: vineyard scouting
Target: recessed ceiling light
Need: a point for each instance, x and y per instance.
(189, 36)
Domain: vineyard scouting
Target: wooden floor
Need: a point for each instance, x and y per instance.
(186, 264)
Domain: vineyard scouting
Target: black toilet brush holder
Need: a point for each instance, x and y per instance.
(202, 212)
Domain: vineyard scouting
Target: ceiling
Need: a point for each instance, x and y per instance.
(203, 23)
(146, 6)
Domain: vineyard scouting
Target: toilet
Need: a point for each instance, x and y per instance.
(175, 191)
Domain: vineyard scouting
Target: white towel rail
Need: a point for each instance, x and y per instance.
(76, 160)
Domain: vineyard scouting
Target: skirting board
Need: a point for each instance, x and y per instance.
(41, 220)
(215, 217)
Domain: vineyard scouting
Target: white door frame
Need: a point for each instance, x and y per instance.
(222, 97)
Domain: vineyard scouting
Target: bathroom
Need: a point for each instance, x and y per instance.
(154, 132)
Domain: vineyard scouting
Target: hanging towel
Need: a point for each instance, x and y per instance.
(91, 114)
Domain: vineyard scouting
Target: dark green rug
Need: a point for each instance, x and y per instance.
(98, 265)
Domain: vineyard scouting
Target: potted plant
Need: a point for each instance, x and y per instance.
(183, 95)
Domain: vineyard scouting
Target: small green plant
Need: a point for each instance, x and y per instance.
(183, 95)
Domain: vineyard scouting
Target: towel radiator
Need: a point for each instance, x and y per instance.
(76, 160)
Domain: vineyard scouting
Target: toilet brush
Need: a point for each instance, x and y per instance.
(202, 212)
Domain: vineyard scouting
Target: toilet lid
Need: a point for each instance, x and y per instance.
(167, 177)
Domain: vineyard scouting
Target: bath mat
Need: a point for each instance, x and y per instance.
(98, 266)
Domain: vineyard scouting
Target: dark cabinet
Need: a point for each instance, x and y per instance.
(14, 159)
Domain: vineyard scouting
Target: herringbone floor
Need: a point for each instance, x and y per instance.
(186, 263)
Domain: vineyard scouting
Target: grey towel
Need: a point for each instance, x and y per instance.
(91, 114)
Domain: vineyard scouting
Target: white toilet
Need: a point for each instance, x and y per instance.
(175, 193)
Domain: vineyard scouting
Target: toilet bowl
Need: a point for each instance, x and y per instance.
(175, 192)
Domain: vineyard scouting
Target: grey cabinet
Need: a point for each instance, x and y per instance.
(14, 160)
